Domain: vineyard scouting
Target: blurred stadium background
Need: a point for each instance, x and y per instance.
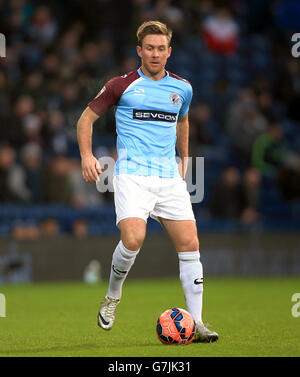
(244, 121)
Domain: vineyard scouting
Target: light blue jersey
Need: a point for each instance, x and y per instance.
(146, 118)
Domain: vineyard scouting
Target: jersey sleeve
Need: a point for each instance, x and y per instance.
(108, 96)
(188, 94)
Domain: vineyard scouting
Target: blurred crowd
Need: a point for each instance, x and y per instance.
(244, 116)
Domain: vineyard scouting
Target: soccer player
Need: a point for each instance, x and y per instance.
(152, 107)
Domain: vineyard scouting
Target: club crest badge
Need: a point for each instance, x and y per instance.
(175, 99)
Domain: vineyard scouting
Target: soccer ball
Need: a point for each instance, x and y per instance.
(175, 326)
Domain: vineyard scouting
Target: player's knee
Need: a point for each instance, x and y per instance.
(190, 244)
(133, 242)
(194, 245)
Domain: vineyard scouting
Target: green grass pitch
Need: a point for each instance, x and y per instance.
(252, 316)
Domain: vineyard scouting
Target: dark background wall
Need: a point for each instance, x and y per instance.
(65, 258)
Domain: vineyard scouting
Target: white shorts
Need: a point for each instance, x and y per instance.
(144, 196)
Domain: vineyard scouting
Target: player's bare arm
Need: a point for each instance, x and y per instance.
(89, 164)
(182, 143)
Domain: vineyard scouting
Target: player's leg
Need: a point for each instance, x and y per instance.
(183, 233)
(184, 236)
(133, 231)
(133, 204)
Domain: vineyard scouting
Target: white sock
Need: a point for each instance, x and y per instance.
(191, 276)
(122, 261)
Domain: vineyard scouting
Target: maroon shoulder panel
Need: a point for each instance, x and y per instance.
(178, 77)
(111, 92)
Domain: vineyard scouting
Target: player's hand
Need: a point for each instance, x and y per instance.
(91, 169)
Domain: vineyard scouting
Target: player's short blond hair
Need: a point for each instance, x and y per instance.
(153, 27)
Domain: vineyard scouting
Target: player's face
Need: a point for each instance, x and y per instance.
(154, 53)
